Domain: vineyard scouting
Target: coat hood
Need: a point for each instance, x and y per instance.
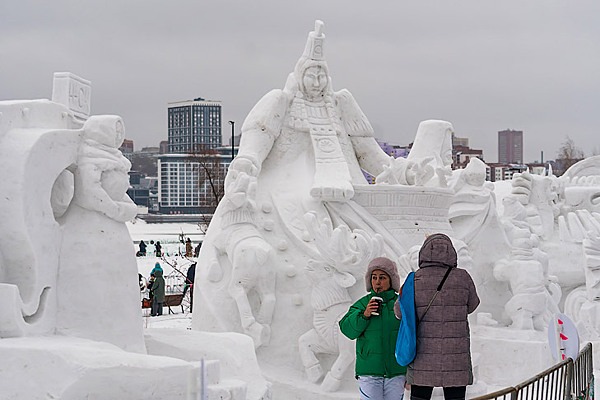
(158, 273)
(437, 250)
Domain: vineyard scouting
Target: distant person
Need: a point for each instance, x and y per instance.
(371, 321)
(189, 249)
(157, 267)
(197, 250)
(142, 252)
(158, 249)
(189, 284)
(444, 349)
(149, 285)
(157, 290)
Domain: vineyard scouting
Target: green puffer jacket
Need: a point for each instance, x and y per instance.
(376, 336)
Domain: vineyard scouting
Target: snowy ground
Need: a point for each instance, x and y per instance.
(173, 263)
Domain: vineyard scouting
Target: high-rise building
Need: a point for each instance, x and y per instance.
(194, 126)
(510, 147)
(192, 170)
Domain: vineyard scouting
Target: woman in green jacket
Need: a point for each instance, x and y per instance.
(380, 376)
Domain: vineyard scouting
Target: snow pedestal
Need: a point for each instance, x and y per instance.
(508, 356)
(69, 368)
(235, 352)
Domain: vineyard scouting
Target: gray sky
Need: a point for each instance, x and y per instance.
(483, 65)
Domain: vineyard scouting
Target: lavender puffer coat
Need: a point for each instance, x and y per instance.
(443, 338)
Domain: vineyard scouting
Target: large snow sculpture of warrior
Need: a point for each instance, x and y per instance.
(302, 150)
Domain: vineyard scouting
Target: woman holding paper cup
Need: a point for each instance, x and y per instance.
(371, 321)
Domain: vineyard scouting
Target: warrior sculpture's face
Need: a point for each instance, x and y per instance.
(314, 81)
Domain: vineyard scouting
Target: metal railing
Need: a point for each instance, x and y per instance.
(567, 380)
(582, 386)
(174, 283)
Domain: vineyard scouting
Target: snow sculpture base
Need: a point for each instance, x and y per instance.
(234, 351)
(69, 368)
(518, 354)
(408, 212)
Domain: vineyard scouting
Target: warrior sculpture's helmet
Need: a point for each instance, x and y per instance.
(312, 56)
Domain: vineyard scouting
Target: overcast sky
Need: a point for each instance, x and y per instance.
(485, 66)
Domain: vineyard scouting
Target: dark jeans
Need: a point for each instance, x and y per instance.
(157, 308)
(424, 392)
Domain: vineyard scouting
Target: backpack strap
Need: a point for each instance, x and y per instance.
(439, 288)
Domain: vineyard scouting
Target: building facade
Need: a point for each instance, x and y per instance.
(191, 184)
(510, 147)
(194, 125)
(127, 148)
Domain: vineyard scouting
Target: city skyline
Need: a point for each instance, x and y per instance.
(485, 68)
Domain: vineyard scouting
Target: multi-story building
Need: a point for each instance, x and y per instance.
(191, 184)
(510, 147)
(394, 149)
(143, 190)
(163, 146)
(461, 155)
(191, 168)
(194, 125)
(127, 148)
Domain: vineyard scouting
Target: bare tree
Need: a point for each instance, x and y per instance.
(210, 171)
(568, 154)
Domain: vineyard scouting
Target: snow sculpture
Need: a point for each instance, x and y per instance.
(46, 249)
(537, 194)
(31, 132)
(342, 258)
(473, 207)
(101, 179)
(475, 221)
(303, 150)
(535, 293)
(248, 254)
(591, 247)
(579, 227)
(579, 201)
(531, 306)
(100, 190)
(583, 303)
(434, 142)
(70, 319)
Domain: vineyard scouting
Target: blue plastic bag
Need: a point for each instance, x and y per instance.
(406, 343)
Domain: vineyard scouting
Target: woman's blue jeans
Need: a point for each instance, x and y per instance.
(380, 388)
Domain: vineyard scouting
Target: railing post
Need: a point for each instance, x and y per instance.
(568, 381)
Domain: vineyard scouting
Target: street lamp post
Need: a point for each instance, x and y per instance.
(232, 123)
